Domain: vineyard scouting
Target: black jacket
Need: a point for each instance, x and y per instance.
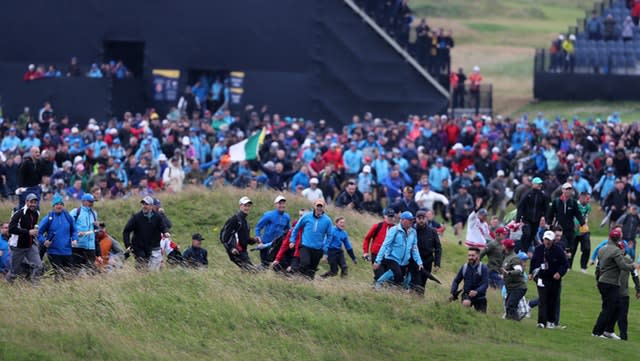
(555, 259)
(564, 214)
(404, 205)
(29, 174)
(344, 198)
(236, 225)
(196, 257)
(533, 206)
(617, 199)
(429, 245)
(21, 222)
(630, 224)
(147, 232)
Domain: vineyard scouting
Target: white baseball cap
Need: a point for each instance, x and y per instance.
(245, 200)
(366, 169)
(314, 181)
(549, 235)
(279, 199)
(500, 173)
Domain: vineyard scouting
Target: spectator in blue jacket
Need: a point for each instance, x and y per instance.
(272, 225)
(30, 141)
(58, 233)
(333, 250)
(5, 254)
(580, 185)
(437, 175)
(352, 160)
(393, 186)
(476, 281)
(11, 142)
(606, 183)
(316, 226)
(399, 246)
(301, 178)
(86, 221)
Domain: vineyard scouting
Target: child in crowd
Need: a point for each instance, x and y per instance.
(333, 249)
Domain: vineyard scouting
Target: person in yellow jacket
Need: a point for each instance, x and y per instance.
(568, 46)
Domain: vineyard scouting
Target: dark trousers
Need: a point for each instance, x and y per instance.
(584, 240)
(495, 280)
(606, 319)
(622, 311)
(309, 260)
(478, 304)
(84, 258)
(241, 260)
(529, 231)
(547, 302)
(60, 264)
(419, 278)
(458, 97)
(336, 259)
(398, 271)
(511, 303)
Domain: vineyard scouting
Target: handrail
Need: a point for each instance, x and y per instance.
(397, 47)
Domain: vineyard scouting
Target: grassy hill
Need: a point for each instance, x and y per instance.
(500, 36)
(222, 313)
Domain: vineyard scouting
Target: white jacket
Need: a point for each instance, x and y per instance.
(478, 232)
(426, 199)
(173, 177)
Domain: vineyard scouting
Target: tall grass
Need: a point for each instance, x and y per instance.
(224, 314)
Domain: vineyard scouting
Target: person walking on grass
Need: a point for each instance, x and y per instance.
(58, 233)
(512, 271)
(375, 237)
(475, 276)
(334, 252)
(288, 259)
(548, 266)
(236, 238)
(584, 237)
(398, 248)
(86, 221)
(611, 263)
(495, 256)
(272, 227)
(316, 226)
(196, 256)
(24, 248)
(531, 212)
(430, 250)
(564, 211)
(148, 228)
(622, 306)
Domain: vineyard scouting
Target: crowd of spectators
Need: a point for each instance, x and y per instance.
(112, 69)
(430, 47)
(367, 164)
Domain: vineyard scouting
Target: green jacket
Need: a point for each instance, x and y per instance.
(513, 278)
(494, 254)
(624, 280)
(611, 262)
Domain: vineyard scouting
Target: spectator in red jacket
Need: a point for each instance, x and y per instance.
(32, 73)
(334, 156)
(374, 238)
(288, 259)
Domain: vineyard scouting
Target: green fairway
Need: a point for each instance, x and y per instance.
(223, 314)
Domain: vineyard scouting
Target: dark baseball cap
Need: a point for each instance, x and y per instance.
(197, 237)
(389, 212)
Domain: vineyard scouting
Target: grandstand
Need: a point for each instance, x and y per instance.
(311, 58)
(604, 63)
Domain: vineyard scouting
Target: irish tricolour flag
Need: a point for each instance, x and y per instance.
(248, 148)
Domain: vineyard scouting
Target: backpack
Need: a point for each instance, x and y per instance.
(93, 213)
(466, 266)
(66, 215)
(377, 230)
(228, 231)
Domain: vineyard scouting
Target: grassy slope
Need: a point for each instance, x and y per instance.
(221, 313)
(500, 37)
